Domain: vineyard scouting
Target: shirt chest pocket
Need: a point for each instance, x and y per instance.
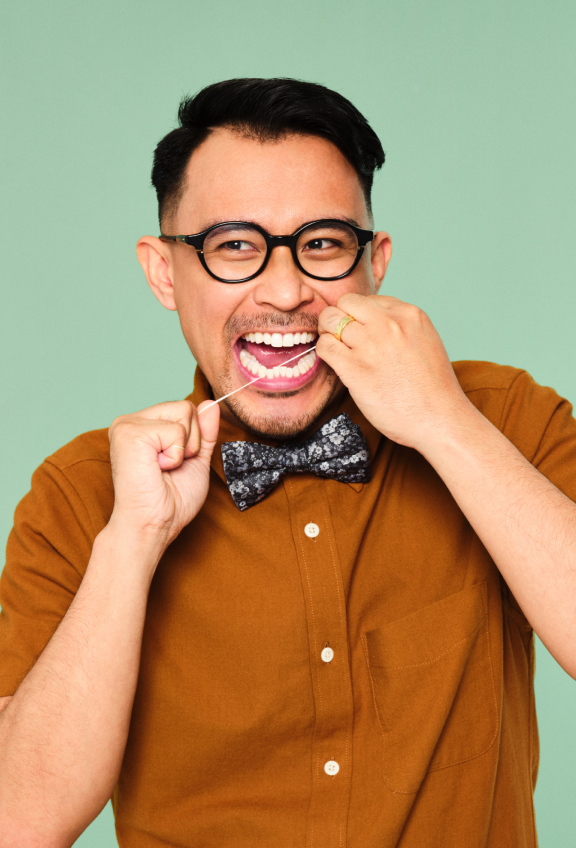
(433, 688)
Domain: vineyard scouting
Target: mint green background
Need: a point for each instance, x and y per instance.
(475, 105)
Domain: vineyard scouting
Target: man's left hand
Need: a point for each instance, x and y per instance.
(394, 365)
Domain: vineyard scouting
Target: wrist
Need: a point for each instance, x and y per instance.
(137, 552)
(460, 426)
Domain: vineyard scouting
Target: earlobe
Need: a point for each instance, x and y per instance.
(155, 258)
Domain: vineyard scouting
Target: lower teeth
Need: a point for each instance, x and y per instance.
(302, 367)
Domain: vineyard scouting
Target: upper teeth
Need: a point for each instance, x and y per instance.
(279, 340)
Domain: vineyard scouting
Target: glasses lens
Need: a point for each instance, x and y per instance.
(327, 250)
(234, 251)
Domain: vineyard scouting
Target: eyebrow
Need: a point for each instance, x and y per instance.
(215, 221)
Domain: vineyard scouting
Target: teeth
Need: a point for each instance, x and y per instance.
(279, 339)
(301, 367)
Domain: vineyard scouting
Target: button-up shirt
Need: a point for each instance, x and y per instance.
(340, 665)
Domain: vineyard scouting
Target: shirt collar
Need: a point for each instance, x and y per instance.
(232, 433)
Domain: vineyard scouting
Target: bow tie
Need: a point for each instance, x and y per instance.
(337, 450)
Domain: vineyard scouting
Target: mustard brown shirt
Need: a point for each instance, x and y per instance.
(426, 705)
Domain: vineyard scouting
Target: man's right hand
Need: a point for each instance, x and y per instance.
(63, 733)
(161, 467)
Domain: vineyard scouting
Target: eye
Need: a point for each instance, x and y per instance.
(237, 245)
(320, 244)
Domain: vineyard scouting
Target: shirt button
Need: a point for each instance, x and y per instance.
(327, 655)
(331, 768)
(311, 530)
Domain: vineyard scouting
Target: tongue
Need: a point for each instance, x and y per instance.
(270, 356)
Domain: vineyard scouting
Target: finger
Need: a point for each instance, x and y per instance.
(209, 426)
(386, 300)
(174, 440)
(329, 321)
(334, 353)
(194, 439)
(363, 308)
(175, 411)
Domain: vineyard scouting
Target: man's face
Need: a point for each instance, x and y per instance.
(281, 186)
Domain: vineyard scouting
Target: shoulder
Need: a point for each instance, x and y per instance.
(93, 446)
(488, 386)
(505, 387)
(77, 478)
(534, 417)
(477, 375)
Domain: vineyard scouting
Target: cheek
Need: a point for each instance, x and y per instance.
(203, 310)
(359, 283)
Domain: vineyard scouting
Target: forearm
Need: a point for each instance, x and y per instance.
(63, 734)
(527, 525)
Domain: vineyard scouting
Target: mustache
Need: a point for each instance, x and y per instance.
(240, 324)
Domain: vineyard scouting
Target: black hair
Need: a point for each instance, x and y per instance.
(264, 109)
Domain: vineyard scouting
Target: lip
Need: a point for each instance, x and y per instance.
(278, 384)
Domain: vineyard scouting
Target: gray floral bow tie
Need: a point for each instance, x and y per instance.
(337, 450)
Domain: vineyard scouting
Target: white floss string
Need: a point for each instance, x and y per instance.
(298, 355)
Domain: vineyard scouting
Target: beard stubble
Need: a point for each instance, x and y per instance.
(270, 425)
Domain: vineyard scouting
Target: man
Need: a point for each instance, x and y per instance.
(345, 657)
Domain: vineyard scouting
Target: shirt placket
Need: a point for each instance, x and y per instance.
(323, 590)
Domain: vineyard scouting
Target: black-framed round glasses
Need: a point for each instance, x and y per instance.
(236, 251)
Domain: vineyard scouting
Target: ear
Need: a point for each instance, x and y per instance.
(381, 254)
(155, 257)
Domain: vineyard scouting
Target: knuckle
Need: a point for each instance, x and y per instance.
(117, 426)
(186, 410)
(327, 316)
(115, 423)
(414, 310)
(188, 406)
(126, 430)
(324, 344)
(350, 298)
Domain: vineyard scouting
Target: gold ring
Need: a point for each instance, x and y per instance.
(177, 446)
(341, 324)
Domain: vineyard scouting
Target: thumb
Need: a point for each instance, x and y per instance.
(209, 424)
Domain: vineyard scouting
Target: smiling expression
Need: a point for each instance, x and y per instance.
(239, 331)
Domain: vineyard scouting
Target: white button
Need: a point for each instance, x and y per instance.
(327, 654)
(331, 768)
(312, 530)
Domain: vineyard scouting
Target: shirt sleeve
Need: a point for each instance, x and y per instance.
(46, 556)
(540, 423)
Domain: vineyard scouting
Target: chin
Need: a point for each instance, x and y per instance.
(293, 386)
(285, 414)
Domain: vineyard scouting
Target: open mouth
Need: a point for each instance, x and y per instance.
(263, 354)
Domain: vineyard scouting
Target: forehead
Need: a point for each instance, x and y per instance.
(278, 184)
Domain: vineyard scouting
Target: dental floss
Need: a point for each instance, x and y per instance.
(298, 355)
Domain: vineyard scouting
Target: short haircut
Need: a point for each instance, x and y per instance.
(267, 110)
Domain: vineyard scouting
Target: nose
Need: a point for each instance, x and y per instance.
(282, 285)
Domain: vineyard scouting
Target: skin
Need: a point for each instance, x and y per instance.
(280, 186)
(62, 735)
